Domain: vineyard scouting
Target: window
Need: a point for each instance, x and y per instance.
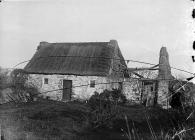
(46, 80)
(92, 83)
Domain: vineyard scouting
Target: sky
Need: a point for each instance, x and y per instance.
(141, 28)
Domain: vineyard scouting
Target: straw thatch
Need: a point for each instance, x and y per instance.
(87, 58)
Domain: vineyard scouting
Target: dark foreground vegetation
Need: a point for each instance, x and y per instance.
(45, 119)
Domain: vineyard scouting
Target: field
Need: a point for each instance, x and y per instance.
(46, 119)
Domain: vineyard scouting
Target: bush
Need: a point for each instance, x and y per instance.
(3, 79)
(104, 107)
(19, 78)
(106, 99)
(21, 89)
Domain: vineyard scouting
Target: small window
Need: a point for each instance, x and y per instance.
(92, 83)
(46, 80)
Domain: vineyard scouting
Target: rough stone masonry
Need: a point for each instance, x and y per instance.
(164, 76)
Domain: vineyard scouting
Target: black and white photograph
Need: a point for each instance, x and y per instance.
(97, 70)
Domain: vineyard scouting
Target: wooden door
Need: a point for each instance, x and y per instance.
(67, 89)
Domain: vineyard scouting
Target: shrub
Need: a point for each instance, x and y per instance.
(104, 107)
(21, 89)
(3, 78)
(19, 78)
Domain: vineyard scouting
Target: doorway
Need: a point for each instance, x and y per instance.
(67, 90)
(149, 93)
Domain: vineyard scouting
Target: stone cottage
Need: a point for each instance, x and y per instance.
(66, 71)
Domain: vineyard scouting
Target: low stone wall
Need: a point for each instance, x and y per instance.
(80, 85)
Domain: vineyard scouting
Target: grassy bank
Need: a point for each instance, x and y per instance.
(71, 121)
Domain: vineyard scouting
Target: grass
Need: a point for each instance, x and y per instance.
(182, 130)
(45, 119)
(54, 120)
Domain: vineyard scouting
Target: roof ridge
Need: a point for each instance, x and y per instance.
(80, 43)
(72, 42)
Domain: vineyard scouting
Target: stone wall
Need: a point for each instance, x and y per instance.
(80, 85)
(163, 93)
(132, 90)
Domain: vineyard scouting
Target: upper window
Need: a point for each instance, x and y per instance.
(92, 83)
(46, 80)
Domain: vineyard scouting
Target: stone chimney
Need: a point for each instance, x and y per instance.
(42, 44)
(164, 66)
(164, 76)
(113, 42)
(115, 62)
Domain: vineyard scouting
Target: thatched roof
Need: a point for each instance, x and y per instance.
(86, 58)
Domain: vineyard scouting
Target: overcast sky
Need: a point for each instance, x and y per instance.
(141, 27)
